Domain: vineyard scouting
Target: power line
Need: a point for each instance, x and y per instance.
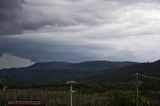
(150, 77)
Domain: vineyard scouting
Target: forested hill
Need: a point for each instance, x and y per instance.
(94, 71)
(126, 74)
(58, 71)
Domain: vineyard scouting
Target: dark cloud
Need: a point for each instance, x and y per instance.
(75, 30)
(8, 9)
(40, 52)
(9, 16)
(18, 16)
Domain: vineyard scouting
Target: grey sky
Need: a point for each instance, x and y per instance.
(78, 30)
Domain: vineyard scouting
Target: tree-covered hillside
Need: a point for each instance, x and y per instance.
(59, 71)
(126, 74)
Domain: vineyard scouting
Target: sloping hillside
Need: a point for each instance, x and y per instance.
(125, 74)
(57, 71)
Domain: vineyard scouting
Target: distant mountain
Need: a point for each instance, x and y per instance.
(58, 71)
(126, 74)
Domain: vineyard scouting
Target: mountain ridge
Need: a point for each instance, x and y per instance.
(55, 71)
(125, 74)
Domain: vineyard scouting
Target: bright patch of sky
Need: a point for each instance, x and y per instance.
(10, 61)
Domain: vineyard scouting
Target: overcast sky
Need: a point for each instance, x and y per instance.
(80, 30)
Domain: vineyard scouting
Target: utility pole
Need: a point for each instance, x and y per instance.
(3, 82)
(71, 91)
(138, 83)
(137, 88)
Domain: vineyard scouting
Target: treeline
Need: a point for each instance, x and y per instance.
(87, 94)
(83, 86)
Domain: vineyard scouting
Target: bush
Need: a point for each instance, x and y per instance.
(118, 100)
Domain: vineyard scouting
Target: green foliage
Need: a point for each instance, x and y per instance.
(121, 100)
(61, 104)
(62, 98)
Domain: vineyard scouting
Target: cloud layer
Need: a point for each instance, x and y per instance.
(9, 14)
(109, 17)
(77, 30)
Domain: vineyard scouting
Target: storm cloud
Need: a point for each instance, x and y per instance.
(9, 14)
(109, 17)
(78, 30)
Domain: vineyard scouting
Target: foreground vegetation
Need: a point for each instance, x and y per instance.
(86, 94)
(61, 98)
